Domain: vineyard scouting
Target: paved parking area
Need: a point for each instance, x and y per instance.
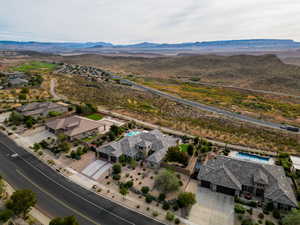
(212, 208)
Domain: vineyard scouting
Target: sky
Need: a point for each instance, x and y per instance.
(163, 21)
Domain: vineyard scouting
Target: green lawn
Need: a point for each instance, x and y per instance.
(35, 65)
(89, 139)
(184, 147)
(94, 116)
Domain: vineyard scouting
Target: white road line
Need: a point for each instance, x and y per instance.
(99, 207)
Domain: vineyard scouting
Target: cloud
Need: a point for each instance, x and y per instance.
(131, 21)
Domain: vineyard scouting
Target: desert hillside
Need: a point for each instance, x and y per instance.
(266, 72)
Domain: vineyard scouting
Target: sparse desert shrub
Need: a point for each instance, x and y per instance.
(170, 216)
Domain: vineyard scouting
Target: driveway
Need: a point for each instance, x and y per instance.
(212, 208)
(96, 169)
(34, 136)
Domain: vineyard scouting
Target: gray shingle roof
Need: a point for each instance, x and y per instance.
(35, 108)
(234, 173)
(158, 142)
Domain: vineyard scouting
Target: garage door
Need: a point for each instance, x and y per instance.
(205, 183)
(225, 190)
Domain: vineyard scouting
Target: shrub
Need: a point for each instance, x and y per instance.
(250, 211)
(261, 215)
(166, 206)
(177, 221)
(116, 177)
(186, 199)
(268, 222)
(239, 209)
(276, 214)
(190, 150)
(145, 189)
(161, 197)
(247, 221)
(148, 198)
(175, 207)
(170, 216)
(5, 215)
(155, 214)
(166, 181)
(117, 168)
(129, 184)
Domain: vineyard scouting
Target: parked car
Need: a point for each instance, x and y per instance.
(248, 196)
(290, 128)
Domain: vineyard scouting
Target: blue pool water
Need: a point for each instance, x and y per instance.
(132, 133)
(256, 158)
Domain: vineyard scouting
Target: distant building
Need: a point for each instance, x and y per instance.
(75, 127)
(14, 82)
(234, 177)
(41, 109)
(151, 146)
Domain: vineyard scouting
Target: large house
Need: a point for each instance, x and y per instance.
(151, 146)
(77, 127)
(234, 177)
(41, 109)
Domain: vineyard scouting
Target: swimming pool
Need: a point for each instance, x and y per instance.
(132, 133)
(250, 157)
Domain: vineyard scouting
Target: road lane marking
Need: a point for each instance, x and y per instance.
(56, 199)
(62, 186)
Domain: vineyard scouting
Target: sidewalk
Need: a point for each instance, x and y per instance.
(34, 212)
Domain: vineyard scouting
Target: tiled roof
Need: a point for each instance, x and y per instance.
(38, 107)
(231, 172)
(158, 142)
(74, 125)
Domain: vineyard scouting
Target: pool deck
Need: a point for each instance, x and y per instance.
(233, 154)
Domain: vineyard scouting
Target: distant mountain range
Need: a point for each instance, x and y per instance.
(56, 47)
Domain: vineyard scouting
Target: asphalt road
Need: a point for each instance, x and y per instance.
(56, 195)
(209, 108)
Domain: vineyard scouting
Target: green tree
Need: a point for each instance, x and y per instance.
(117, 168)
(123, 191)
(133, 163)
(175, 155)
(122, 159)
(145, 189)
(16, 118)
(64, 147)
(166, 181)
(186, 199)
(22, 96)
(5, 215)
(29, 121)
(190, 150)
(21, 202)
(69, 220)
(293, 218)
(2, 187)
(25, 90)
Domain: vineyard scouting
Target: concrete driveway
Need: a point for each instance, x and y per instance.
(34, 136)
(212, 208)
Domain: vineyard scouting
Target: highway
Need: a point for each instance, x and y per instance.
(209, 108)
(56, 195)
